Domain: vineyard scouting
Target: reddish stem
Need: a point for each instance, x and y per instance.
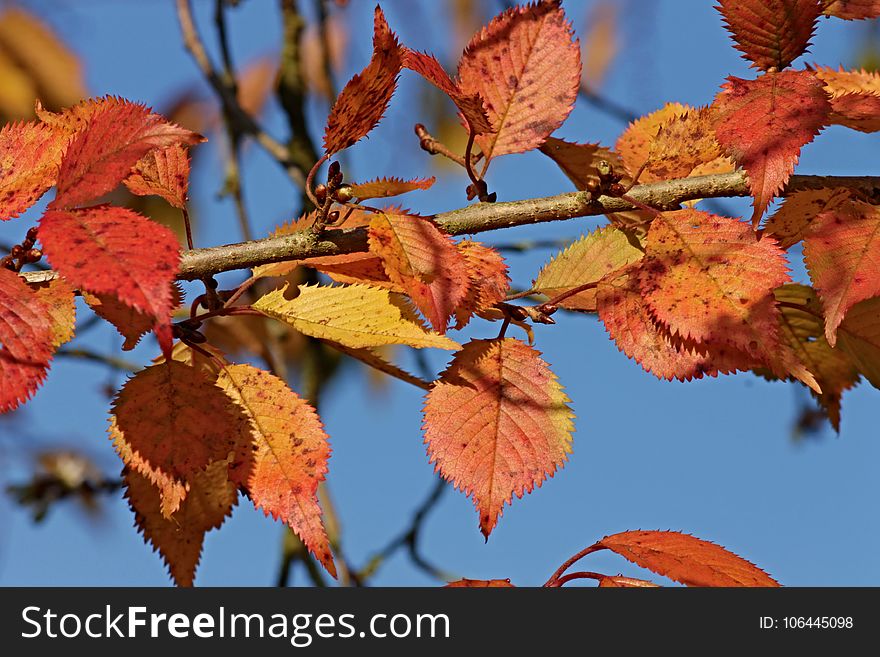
(571, 560)
(311, 178)
(188, 227)
(582, 574)
(570, 293)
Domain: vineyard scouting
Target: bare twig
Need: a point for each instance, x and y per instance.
(483, 217)
(103, 359)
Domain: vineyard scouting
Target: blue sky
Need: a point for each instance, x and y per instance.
(714, 457)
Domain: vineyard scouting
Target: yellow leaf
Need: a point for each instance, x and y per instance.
(353, 315)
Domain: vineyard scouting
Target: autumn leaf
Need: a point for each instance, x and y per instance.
(470, 105)
(30, 154)
(480, 584)
(634, 144)
(60, 302)
(26, 340)
(176, 419)
(488, 281)
(497, 424)
(179, 538)
(855, 98)
(287, 457)
(386, 187)
(842, 254)
(859, 336)
(851, 9)
(113, 250)
(762, 124)
(601, 43)
(585, 261)
(423, 261)
(631, 324)
(794, 218)
(101, 155)
(803, 328)
(526, 66)
(365, 98)
(162, 173)
(771, 33)
(708, 278)
(683, 143)
(354, 315)
(685, 559)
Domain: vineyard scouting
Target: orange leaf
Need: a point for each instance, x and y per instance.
(842, 254)
(855, 98)
(762, 124)
(176, 419)
(859, 336)
(851, 9)
(683, 143)
(365, 98)
(470, 105)
(633, 328)
(526, 67)
(794, 218)
(287, 457)
(708, 278)
(60, 301)
(497, 424)
(26, 339)
(163, 173)
(488, 280)
(771, 33)
(179, 538)
(354, 268)
(480, 584)
(101, 155)
(30, 154)
(385, 187)
(423, 261)
(113, 250)
(685, 559)
(634, 145)
(600, 43)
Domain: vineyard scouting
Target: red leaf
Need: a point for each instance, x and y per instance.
(686, 559)
(423, 261)
(26, 339)
(480, 584)
(162, 173)
(365, 98)
(527, 68)
(842, 254)
(762, 124)
(851, 9)
(771, 33)
(112, 250)
(175, 420)
(470, 105)
(386, 187)
(103, 153)
(497, 424)
(29, 157)
(287, 456)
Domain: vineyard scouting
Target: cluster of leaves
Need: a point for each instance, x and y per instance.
(686, 293)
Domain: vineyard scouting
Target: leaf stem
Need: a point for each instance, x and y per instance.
(571, 561)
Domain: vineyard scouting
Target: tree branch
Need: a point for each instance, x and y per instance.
(482, 217)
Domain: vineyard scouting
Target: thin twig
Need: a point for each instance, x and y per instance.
(110, 361)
